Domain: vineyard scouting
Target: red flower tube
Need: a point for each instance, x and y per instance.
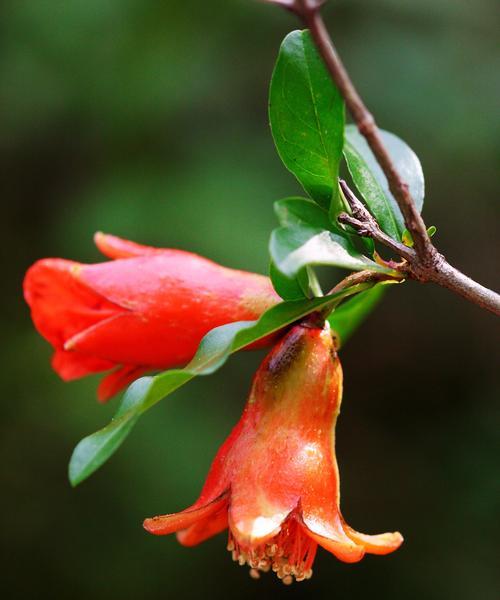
(147, 309)
(275, 481)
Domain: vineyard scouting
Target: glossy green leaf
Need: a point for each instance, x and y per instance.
(307, 118)
(350, 314)
(297, 246)
(216, 346)
(290, 288)
(301, 211)
(372, 183)
(95, 449)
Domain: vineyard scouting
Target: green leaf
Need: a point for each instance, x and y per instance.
(350, 314)
(372, 183)
(290, 288)
(301, 211)
(307, 118)
(94, 450)
(297, 246)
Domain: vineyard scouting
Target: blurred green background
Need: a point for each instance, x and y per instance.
(147, 119)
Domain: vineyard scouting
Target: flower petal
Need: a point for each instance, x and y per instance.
(204, 529)
(115, 247)
(384, 543)
(321, 514)
(175, 298)
(254, 515)
(347, 551)
(264, 490)
(71, 365)
(121, 339)
(61, 304)
(253, 530)
(165, 524)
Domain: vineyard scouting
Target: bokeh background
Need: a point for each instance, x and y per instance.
(147, 119)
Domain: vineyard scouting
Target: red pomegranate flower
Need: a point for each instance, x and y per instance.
(147, 309)
(275, 481)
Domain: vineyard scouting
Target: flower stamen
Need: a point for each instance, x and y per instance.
(290, 553)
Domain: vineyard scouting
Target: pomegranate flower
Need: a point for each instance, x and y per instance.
(147, 309)
(275, 481)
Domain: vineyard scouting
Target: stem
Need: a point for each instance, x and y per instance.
(363, 277)
(368, 128)
(366, 225)
(424, 263)
(314, 284)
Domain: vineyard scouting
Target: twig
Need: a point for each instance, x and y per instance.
(364, 277)
(366, 225)
(425, 263)
(317, 318)
(443, 273)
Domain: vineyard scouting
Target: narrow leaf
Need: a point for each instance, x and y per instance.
(93, 451)
(306, 112)
(372, 183)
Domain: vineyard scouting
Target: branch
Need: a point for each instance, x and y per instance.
(317, 319)
(364, 277)
(441, 272)
(424, 263)
(366, 225)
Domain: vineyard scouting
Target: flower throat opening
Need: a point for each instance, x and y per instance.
(290, 554)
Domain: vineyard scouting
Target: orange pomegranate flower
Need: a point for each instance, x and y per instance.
(275, 481)
(147, 309)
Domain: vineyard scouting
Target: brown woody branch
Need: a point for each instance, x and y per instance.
(366, 225)
(423, 263)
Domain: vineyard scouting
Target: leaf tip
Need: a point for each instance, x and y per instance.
(75, 477)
